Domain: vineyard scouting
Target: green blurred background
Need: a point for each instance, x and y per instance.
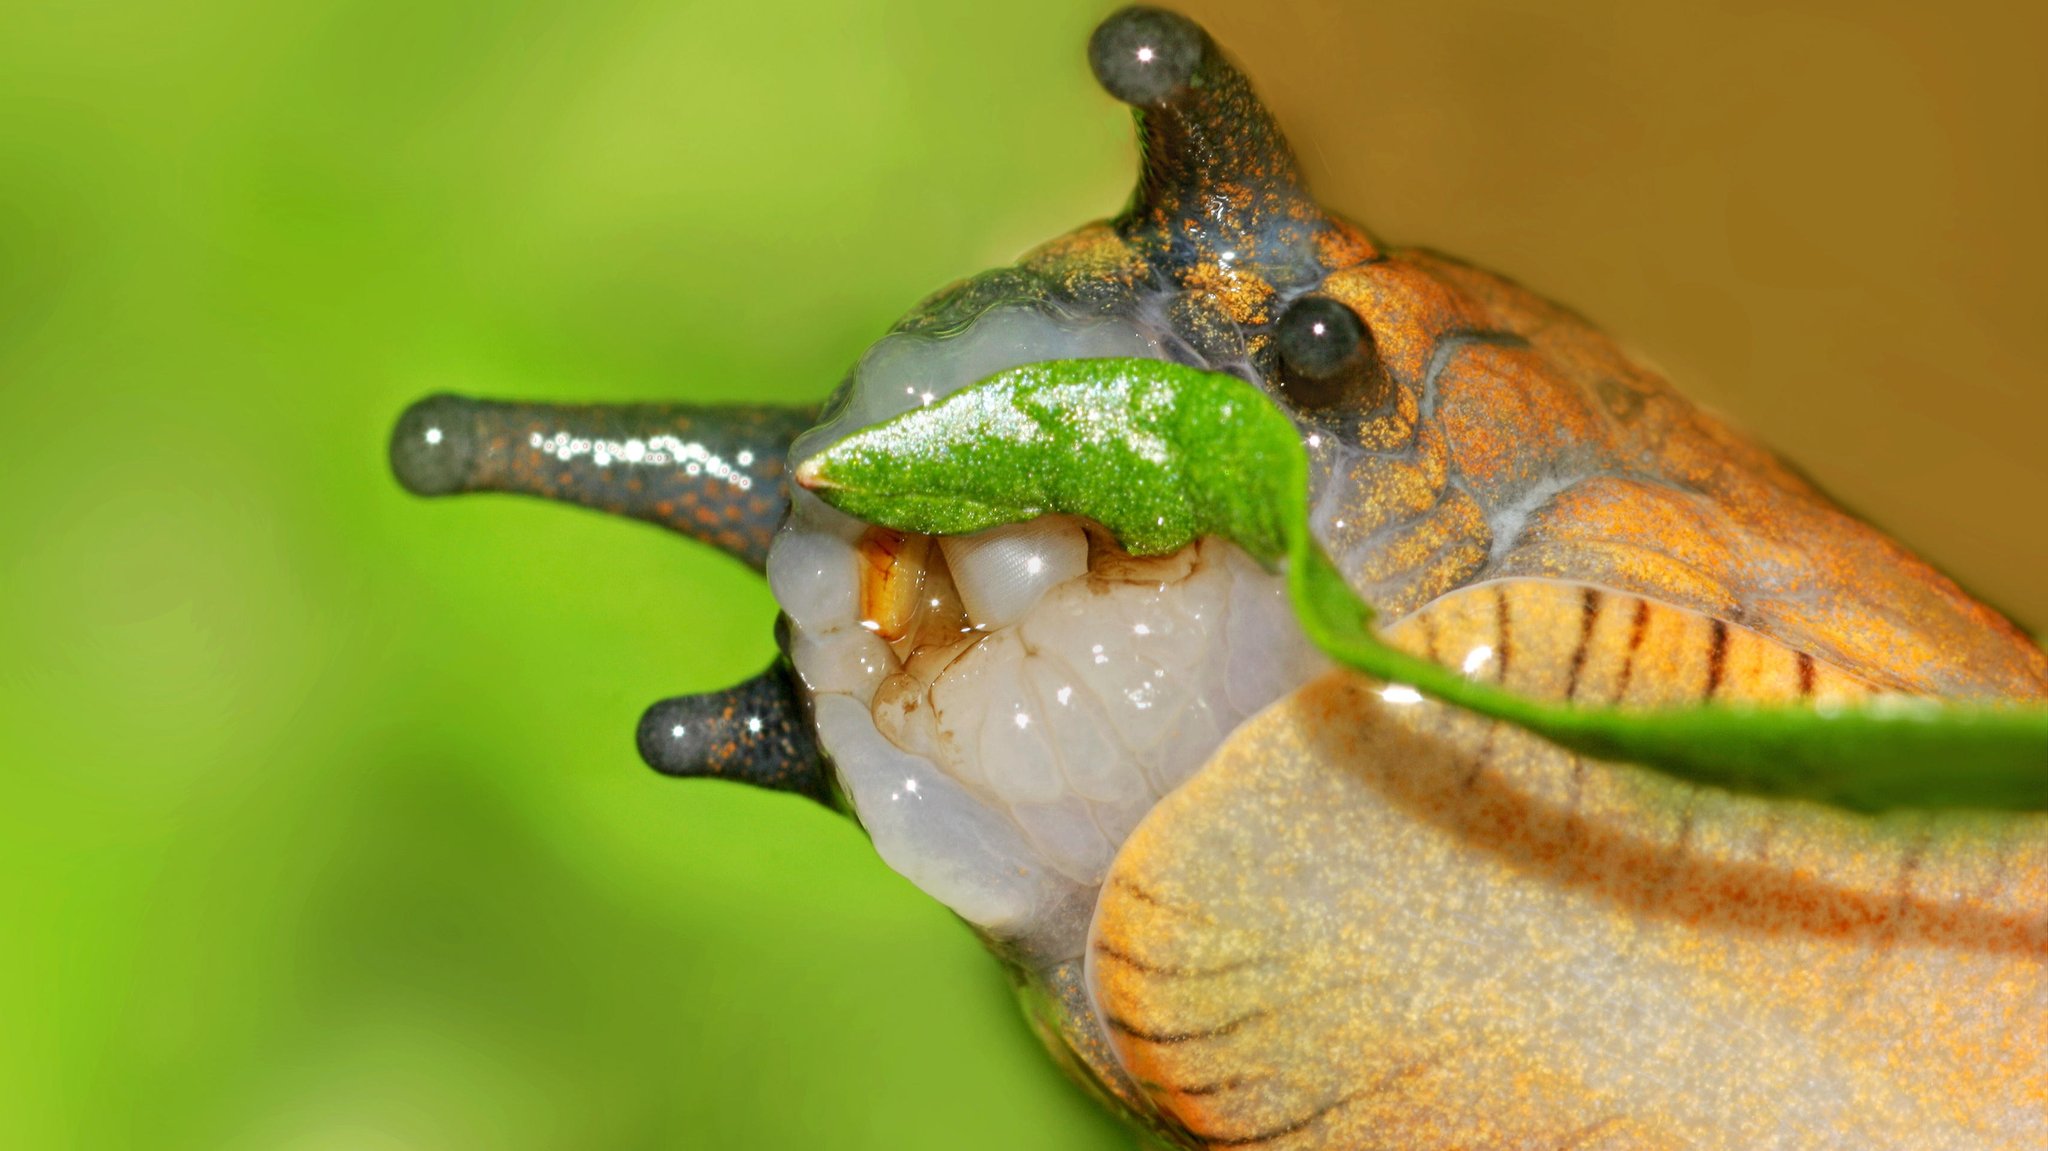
(322, 825)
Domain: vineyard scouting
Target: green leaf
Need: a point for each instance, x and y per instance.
(1160, 453)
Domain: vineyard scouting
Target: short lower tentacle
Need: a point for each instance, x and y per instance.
(755, 732)
(714, 474)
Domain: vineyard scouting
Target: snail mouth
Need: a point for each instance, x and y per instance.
(1061, 680)
(1003, 708)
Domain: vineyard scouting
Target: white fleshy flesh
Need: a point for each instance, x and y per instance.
(1001, 767)
(1002, 573)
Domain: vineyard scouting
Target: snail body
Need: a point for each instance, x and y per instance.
(1255, 902)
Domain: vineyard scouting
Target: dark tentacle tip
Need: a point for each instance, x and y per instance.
(1145, 56)
(755, 733)
(433, 447)
(663, 737)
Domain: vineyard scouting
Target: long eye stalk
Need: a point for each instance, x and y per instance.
(1219, 184)
(713, 474)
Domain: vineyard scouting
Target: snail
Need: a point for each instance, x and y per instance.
(1254, 902)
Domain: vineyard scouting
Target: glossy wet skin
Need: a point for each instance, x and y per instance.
(1464, 432)
(1461, 429)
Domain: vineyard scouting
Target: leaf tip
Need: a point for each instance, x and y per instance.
(810, 475)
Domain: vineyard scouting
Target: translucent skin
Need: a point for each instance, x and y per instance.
(1000, 710)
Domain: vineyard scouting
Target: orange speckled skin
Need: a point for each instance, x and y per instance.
(1369, 925)
(1522, 441)
(1331, 844)
(1339, 843)
(1520, 447)
(1643, 492)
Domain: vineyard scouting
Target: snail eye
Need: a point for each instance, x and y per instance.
(1327, 356)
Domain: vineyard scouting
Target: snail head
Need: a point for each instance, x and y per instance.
(997, 710)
